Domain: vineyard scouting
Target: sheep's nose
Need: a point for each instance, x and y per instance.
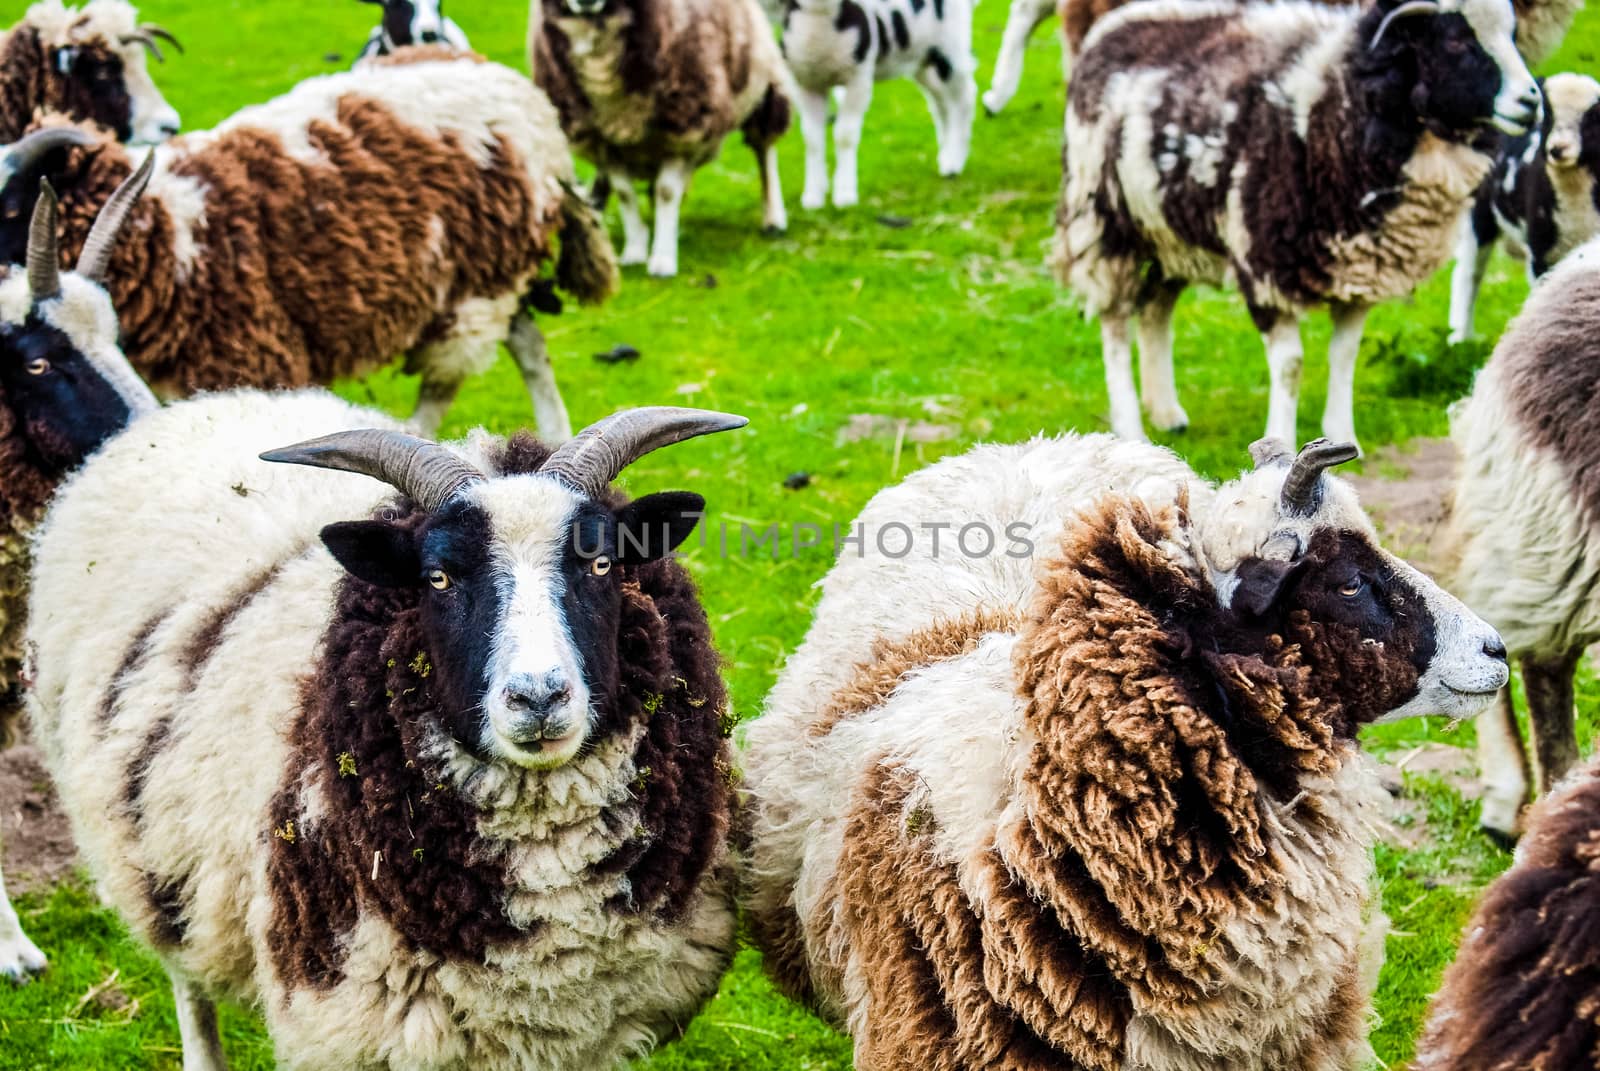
(430, 37)
(1532, 97)
(534, 701)
(170, 128)
(1559, 151)
(1495, 648)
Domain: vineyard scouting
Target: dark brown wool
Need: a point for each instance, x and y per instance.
(132, 658)
(439, 885)
(1524, 991)
(23, 494)
(31, 84)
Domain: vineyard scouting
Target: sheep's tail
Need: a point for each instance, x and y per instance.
(586, 266)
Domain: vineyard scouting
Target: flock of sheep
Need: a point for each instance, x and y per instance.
(434, 767)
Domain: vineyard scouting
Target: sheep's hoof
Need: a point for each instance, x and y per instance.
(1506, 842)
(662, 271)
(629, 259)
(772, 230)
(20, 960)
(990, 108)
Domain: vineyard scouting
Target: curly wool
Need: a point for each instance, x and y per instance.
(23, 495)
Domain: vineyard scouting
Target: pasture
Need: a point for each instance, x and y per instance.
(862, 344)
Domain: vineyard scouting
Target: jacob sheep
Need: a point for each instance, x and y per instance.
(648, 89)
(409, 206)
(856, 43)
(1543, 195)
(411, 22)
(1315, 156)
(1104, 809)
(86, 63)
(434, 774)
(1524, 532)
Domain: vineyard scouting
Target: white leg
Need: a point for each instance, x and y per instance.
(635, 235)
(813, 109)
(774, 217)
(1023, 18)
(934, 92)
(1157, 388)
(526, 343)
(671, 184)
(19, 957)
(1116, 349)
(197, 1027)
(1339, 416)
(1465, 279)
(960, 106)
(1502, 764)
(1284, 361)
(847, 137)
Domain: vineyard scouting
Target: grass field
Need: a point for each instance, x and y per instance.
(929, 308)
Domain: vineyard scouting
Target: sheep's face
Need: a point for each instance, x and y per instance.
(521, 586)
(1572, 120)
(408, 23)
(99, 62)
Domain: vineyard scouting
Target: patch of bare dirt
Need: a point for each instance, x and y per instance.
(863, 426)
(1407, 815)
(1407, 491)
(37, 843)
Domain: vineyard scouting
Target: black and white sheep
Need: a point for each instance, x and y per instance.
(1023, 17)
(1314, 156)
(648, 89)
(435, 779)
(1542, 195)
(1079, 785)
(86, 63)
(1525, 524)
(409, 206)
(412, 22)
(854, 44)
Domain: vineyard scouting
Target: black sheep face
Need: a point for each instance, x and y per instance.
(107, 80)
(412, 22)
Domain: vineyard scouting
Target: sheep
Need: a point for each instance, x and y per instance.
(647, 90)
(88, 63)
(1023, 17)
(1102, 809)
(58, 402)
(1524, 987)
(855, 43)
(445, 786)
(406, 22)
(1543, 194)
(1313, 155)
(1523, 542)
(317, 235)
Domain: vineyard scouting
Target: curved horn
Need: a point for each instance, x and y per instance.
(162, 32)
(424, 472)
(97, 248)
(1404, 11)
(590, 461)
(44, 259)
(1301, 490)
(1270, 451)
(25, 153)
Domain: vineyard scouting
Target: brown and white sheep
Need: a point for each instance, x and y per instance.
(648, 89)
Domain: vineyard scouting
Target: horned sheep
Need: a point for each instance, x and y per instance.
(1094, 798)
(434, 774)
(647, 91)
(1326, 164)
(1524, 535)
(412, 22)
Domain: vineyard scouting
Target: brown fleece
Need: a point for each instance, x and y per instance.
(1524, 991)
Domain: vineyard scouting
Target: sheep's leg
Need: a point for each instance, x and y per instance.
(847, 137)
(774, 217)
(197, 1027)
(1117, 352)
(933, 91)
(1159, 392)
(762, 129)
(19, 957)
(1339, 414)
(1472, 260)
(434, 399)
(960, 107)
(526, 343)
(1024, 17)
(813, 109)
(1547, 680)
(1285, 357)
(672, 183)
(635, 235)
(1503, 765)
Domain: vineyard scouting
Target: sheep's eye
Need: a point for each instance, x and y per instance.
(600, 566)
(38, 366)
(1351, 588)
(439, 579)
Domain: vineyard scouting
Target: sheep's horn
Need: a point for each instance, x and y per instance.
(28, 151)
(1301, 486)
(146, 35)
(96, 255)
(423, 471)
(44, 264)
(1404, 11)
(162, 32)
(1270, 451)
(596, 455)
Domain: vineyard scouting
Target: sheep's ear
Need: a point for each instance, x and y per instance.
(1260, 580)
(376, 552)
(653, 526)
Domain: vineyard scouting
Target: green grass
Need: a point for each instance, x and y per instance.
(951, 319)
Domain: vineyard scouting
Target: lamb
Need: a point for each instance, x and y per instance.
(1524, 535)
(1543, 194)
(1103, 808)
(856, 43)
(1524, 986)
(315, 236)
(647, 90)
(1325, 163)
(87, 63)
(447, 786)
(406, 22)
